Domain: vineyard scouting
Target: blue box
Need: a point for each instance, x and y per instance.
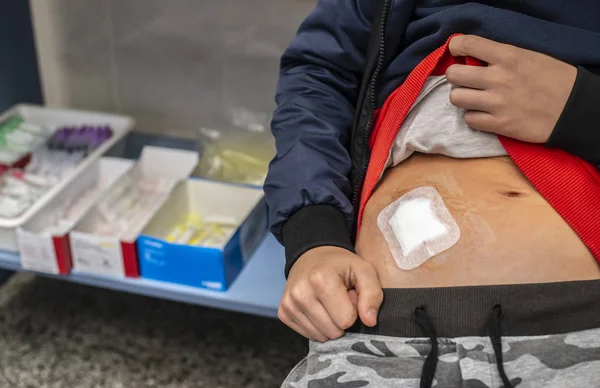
(199, 266)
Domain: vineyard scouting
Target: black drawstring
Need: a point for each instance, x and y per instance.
(428, 373)
(496, 338)
(431, 361)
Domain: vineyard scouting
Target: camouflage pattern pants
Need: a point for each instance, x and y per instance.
(362, 360)
(550, 337)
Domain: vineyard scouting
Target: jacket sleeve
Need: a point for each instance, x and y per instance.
(307, 188)
(578, 129)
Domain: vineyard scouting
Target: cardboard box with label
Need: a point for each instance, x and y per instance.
(204, 234)
(104, 241)
(44, 241)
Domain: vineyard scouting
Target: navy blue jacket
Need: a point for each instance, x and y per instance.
(329, 88)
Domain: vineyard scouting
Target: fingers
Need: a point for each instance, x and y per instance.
(318, 307)
(481, 121)
(475, 77)
(300, 323)
(288, 321)
(321, 317)
(313, 332)
(477, 47)
(472, 99)
(325, 290)
(353, 297)
(370, 295)
(333, 294)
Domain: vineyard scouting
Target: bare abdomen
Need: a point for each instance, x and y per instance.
(509, 233)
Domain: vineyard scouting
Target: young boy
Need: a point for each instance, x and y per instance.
(453, 176)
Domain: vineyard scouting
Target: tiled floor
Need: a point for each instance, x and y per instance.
(58, 334)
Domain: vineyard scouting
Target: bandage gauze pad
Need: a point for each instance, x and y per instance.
(418, 226)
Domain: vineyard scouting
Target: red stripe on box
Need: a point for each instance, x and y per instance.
(130, 261)
(62, 248)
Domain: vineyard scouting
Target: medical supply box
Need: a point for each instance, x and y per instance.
(238, 214)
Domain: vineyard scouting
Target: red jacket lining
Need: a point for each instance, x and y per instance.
(569, 184)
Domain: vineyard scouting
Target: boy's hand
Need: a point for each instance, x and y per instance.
(324, 289)
(520, 94)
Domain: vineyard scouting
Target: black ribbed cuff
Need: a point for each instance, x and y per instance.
(314, 226)
(578, 128)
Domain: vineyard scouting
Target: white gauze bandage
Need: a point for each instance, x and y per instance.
(418, 226)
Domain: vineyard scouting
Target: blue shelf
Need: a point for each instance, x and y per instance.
(257, 290)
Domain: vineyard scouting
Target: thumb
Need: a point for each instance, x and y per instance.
(370, 295)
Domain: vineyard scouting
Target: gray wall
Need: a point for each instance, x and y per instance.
(175, 65)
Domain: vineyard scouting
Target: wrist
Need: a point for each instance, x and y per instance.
(312, 227)
(576, 130)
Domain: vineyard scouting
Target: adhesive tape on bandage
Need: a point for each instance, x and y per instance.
(417, 227)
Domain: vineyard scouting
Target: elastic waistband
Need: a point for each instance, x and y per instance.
(529, 309)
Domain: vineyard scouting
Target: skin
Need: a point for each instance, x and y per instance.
(520, 94)
(331, 287)
(509, 233)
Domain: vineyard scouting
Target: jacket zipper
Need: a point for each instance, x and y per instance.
(372, 102)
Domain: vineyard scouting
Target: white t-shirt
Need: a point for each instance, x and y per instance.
(435, 126)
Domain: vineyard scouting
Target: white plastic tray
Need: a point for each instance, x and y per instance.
(39, 115)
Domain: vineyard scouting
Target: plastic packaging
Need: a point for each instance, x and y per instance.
(129, 202)
(67, 212)
(17, 138)
(239, 154)
(49, 163)
(44, 121)
(202, 232)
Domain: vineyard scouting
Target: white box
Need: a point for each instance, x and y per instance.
(214, 268)
(112, 256)
(50, 252)
(120, 125)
